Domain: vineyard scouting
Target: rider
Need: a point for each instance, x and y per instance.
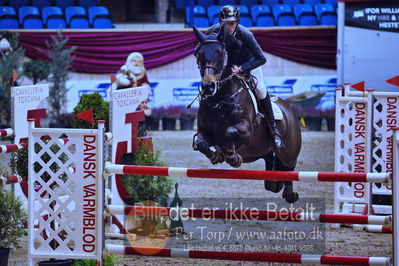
(247, 59)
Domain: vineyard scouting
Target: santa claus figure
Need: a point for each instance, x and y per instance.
(5, 46)
(132, 73)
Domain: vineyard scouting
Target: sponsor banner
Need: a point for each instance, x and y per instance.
(28, 101)
(166, 92)
(376, 15)
(123, 106)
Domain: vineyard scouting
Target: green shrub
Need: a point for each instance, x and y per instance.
(100, 109)
(19, 161)
(61, 58)
(12, 219)
(36, 70)
(109, 260)
(145, 187)
(9, 62)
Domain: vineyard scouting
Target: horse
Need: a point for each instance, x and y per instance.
(229, 128)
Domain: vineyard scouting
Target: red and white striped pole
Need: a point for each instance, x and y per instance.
(247, 174)
(247, 256)
(7, 132)
(7, 148)
(379, 229)
(6, 180)
(237, 214)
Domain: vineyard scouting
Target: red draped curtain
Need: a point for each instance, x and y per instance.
(105, 52)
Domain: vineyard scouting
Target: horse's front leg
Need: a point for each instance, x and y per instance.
(231, 137)
(200, 144)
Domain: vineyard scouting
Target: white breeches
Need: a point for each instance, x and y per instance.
(260, 88)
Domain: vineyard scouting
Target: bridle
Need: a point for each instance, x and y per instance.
(219, 72)
(219, 81)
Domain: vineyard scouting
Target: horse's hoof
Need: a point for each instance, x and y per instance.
(235, 160)
(273, 186)
(291, 198)
(217, 158)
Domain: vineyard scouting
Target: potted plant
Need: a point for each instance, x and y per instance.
(146, 190)
(187, 118)
(169, 115)
(100, 110)
(12, 219)
(61, 58)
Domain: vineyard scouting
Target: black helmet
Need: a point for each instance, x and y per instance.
(229, 13)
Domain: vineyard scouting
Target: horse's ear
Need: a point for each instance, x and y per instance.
(200, 36)
(221, 34)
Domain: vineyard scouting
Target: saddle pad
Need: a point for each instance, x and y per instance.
(278, 114)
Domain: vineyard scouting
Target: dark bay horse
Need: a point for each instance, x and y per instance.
(229, 128)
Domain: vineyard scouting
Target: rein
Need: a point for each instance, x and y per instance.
(242, 78)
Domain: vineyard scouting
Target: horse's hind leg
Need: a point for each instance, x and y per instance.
(288, 193)
(273, 186)
(202, 145)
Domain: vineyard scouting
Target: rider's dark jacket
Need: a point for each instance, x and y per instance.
(246, 52)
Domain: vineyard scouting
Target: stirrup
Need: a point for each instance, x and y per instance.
(278, 141)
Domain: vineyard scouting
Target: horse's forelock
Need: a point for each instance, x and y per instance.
(208, 52)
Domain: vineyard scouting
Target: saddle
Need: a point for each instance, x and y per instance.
(251, 84)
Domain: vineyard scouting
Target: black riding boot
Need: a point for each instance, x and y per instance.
(267, 107)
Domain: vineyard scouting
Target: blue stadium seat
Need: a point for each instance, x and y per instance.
(18, 3)
(326, 14)
(205, 3)
(304, 15)
(181, 4)
(245, 16)
(100, 18)
(76, 17)
(198, 17)
(227, 2)
(41, 3)
(312, 2)
(53, 17)
(270, 2)
(291, 2)
(87, 3)
(64, 3)
(283, 15)
(29, 17)
(249, 3)
(201, 21)
(262, 16)
(8, 18)
(331, 2)
(213, 14)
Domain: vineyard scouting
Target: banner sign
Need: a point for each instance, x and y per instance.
(164, 92)
(29, 101)
(376, 15)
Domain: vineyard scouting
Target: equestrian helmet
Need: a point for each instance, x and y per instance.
(229, 13)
